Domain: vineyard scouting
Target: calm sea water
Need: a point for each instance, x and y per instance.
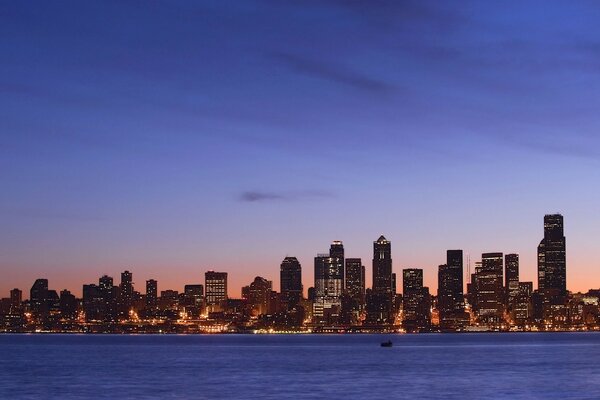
(463, 366)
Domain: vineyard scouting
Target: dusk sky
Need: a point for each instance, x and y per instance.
(170, 138)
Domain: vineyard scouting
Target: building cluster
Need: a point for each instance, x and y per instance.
(495, 299)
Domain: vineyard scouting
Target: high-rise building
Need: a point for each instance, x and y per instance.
(329, 285)
(94, 303)
(215, 284)
(490, 289)
(416, 301)
(381, 297)
(38, 300)
(522, 305)
(151, 295)
(108, 293)
(16, 298)
(68, 305)
(552, 266)
(511, 283)
(257, 296)
(125, 299)
(355, 281)
(290, 275)
(450, 291)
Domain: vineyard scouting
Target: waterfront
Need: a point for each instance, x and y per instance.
(433, 366)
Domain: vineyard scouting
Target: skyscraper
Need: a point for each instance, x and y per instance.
(257, 296)
(552, 281)
(355, 280)
(380, 299)
(125, 300)
(329, 285)
(490, 289)
(450, 291)
(416, 301)
(151, 295)
(215, 284)
(38, 299)
(511, 285)
(290, 275)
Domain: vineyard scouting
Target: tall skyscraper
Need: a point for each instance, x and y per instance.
(125, 300)
(381, 297)
(416, 301)
(329, 285)
(151, 295)
(450, 291)
(552, 265)
(108, 293)
(215, 284)
(490, 288)
(511, 284)
(38, 299)
(355, 280)
(290, 275)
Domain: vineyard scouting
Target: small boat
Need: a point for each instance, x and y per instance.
(386, 344)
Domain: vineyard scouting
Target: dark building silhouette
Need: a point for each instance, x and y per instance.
(450, 291)
(38, 300)
(109, 293)
(94, 303)
(355, 288)
(290, 275)
(257, 296)
(511, 283)
(215, 284)
(68, 305)
(125, 298)
(552, 269)
(380, 311)
(16, 297)
(490, 289)
(151, 295)
(416, 301)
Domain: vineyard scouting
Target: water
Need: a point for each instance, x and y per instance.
(463, 366)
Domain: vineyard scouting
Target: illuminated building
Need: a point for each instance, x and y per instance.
(151, 295)
(380, 310)
(523, 306)
(511, 283)
(450, 291)
(125, 298)
(355, 287)
(416, 301)
(193, 299)
(552, 283)
(329, 284)
(290, 275)
(215, 284)
(38, 300)
(490, 289)
(257, 296)
(68, 305)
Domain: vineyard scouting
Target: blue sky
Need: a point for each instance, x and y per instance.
(174, 137)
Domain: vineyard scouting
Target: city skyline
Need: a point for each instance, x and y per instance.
(383, 253)
(235, 129)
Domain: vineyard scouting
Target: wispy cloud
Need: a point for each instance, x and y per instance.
(253, 196)
(334, 73)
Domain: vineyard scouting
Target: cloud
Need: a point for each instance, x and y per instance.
(333, 73)
(253, 196)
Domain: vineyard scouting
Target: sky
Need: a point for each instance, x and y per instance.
(172, 137)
